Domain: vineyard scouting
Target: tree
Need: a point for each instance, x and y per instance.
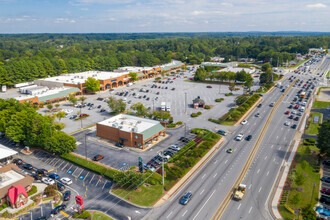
(50, 190)
(133, 76)
(60, 115)
(265, 67)
(248, 81)
(140, 109)
(267, 76)
(162, 74)
(49, 106)
(296, 199)
(308, 212)
(241, 99)
(161, 115)
(73, 99)
(60, 143)
(231, 87)
(92, 84)
(82, 99)
(57, 105)
(323, 137)
(200, 74)
(116, 105)
(59, 126)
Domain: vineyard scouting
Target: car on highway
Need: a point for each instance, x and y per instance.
(230, 150)
(325, 191)
(66, 195)
(186, 198)
(57, 209)
(272, 104)
(244, 122)
(54, 176)
(18, 161)
(239, 137)
(222, 132)
(28, 166)
(257, 115)
(98, 157)
(325, 179)
(248, 138)
(287, 123)
(66, 180)
(259, 106)
(47, 181)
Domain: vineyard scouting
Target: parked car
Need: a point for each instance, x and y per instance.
(28, 166)
(325, 179)
(18, 161)
(54, 176)
(222, 132)
(287, 112)
(36, 177)
(98, 157)
(325, 191)
(186, 198)
(209, 87)
(291, 117)
(42, 171)
(57, 209)
(73, 116)
(174, 147)
(66, 195)
(60, 186)
(66, 180)
(296, 118)
(325, 199)
(102, 110)
(287, 123)
(294, 126)
(99, 106)
(47, 180)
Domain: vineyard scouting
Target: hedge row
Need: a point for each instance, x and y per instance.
(229, 94)
(234, 114)
(265, 88)
(219, 100)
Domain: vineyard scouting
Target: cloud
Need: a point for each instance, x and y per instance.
(317, 5)
(64, 20)
(109, 2)
(198, 12)
(227, 4)
(84, 9)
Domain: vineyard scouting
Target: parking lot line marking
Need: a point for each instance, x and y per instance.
(250, 210)
(63, 213)
(81, 172)
(51, 162)
(92, 178)
(59, 164)
(267, 173)
(258, 171)
(70, 167)
(104, 184)
(97, 182)
(266, 157)
(215, 175)
(169, 214)
(86, 175)
(203, 175)
(239, 206)
(201, 192)
(184, 213)
(226, 161)
(74, 171)
(272, 146)
(64, 166)
(260, 189)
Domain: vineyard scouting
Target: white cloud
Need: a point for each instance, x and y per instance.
(198, 12)
(64, 20)
(317, 5)
(226, 4)
(84, 9)
(110, 2)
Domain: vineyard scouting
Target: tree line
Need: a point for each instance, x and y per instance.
(32, 56)
(23, 124)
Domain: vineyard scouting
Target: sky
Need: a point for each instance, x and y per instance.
(135, 16)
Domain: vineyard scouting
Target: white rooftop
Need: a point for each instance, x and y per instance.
(6, 152)
(134, 68)
(79, 78)
(51, 91)
(9, 178)
(129, 123)
(238, 69)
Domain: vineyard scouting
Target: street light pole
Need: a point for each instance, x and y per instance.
(163, 168)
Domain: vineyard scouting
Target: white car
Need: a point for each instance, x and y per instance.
(304, 103)
(174, 147)
(66, 180)
(287, 123)
(293, 112)
(244, 122)
(239, 137)
(302, 109)
(48, 181)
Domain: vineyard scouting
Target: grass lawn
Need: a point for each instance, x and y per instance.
(328, 74)
(312, 128)
(319, 104)
(100, 216)
(146, 196)
(306, 166)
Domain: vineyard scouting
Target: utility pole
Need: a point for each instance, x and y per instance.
(219, 89)
(163, 168)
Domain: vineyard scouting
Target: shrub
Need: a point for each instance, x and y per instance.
(219, 100)
(229, 94)
(171, 126)
(33, 190)
(207, 107)
(312, 140)
(194, 115)
(50, 190)
(84, 215)
(179, 123)
(199, 113)
(296, 199)
(300, 179)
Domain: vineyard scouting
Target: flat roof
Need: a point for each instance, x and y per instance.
(80, 78)
(238, 69)
(9, 178)
(130, 123)
(55, 92)
(135, 68)
(6, 152)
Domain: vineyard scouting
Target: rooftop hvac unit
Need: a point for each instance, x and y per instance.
(114, 125)
(135, 129)
(56, 79)
(120, 127)
(138, 122)
(122, 122)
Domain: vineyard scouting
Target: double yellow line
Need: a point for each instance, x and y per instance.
(222, 207)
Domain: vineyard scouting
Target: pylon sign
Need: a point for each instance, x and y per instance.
(140, 165)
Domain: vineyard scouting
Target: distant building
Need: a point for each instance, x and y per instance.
(130, 130)
(198, 103)
(246, 60)
(214, 64)
(14, 186)
(6, 153)
(217, 59)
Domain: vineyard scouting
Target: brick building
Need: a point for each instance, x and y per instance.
(130, 130)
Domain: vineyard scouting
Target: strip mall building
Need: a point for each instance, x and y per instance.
(60, 87)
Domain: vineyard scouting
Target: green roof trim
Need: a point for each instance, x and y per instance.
(152, 131)
(60, 94)
(175, 65)
(140, 74)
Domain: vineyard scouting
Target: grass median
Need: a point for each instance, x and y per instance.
(313, 128)
(299, 189)
(320, 104)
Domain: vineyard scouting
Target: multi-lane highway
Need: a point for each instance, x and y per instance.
(213, 183)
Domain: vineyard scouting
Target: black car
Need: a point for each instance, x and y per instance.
(148, 99)
(173, 89)
(58, 209)
(99, 106)
(186, 198)
(325, 199)
(60, 186)
(37, 177)
(296, 118)
(291, 117)
(66, 195)
(102, 110)
(28, 166)
(42, 171)
(259, 106)
(290, 107)
(18, 161)
(326, 162)
(248, 138)
(294, 126)
(325, 179)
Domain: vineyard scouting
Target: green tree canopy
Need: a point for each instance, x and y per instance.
(60, 143)
(116, 105)
(140, 109)
(308, 212)
(323, 137)
(92, 84)
(265, 67)
(133, 76)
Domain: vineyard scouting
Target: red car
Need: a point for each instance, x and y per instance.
(287, 112)
(83, 115)
(296, 106)
(325, 191)
(174, 78)
(209, 87)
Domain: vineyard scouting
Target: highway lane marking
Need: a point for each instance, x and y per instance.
(266, 157)
(250, 186)
(274, 159)
(215, 175)
(215, 161)
(258, 171)
(284, 138)
(250, 210)
(276, 137)
(272, 146)
(267, 173)
(203, 175)
(204, 205)
(201, 192)
(184, 213)
(281, 128)
(260, 189)
(239, 206)
(169, 214)
(226, 161)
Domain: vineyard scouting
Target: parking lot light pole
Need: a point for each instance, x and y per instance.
(161, 154)
(185, 102)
